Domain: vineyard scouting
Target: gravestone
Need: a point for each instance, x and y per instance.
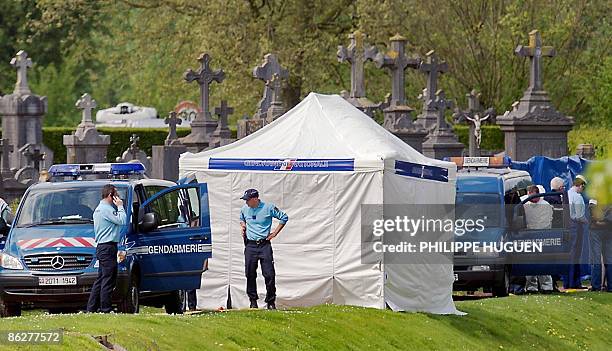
(442, 141)
(222, 135)
(398, 116)
(432, 67)
(475, 116)
(10, 188)
(86, 145)
(22, 114)
(165, 158)
(266, 72)
(533, 126)
(357, 53)
(276, 105)
(203, 126)
(134, 154)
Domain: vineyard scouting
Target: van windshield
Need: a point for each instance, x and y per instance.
(62, 205)
(479, 206)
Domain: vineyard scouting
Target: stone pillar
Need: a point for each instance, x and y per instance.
(165, 158)
(22, 114)
(534, 127)
(86, 145)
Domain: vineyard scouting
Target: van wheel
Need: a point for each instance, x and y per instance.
(174, 302)
(9, 309)
(503, 288)
(130, 303)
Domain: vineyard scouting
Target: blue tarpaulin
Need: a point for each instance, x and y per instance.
(542, 169)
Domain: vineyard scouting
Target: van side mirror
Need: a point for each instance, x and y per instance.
(149, 222)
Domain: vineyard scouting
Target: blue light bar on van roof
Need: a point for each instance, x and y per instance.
(75, 170)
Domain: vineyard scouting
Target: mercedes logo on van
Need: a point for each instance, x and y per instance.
(57, 262)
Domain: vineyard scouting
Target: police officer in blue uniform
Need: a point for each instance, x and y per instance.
(109, 218)
(256, 223)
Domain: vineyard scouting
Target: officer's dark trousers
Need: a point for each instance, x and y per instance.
(192, 299)
(254, 253)
(102, 289)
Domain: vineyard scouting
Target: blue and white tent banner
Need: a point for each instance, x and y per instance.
(416, 170)
(274, 164)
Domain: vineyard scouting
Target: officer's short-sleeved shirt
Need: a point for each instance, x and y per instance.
(259, 219)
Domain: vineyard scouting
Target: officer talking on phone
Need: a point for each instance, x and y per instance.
(108, 219)
(256, 222)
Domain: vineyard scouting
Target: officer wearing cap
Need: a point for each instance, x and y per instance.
(256, 223)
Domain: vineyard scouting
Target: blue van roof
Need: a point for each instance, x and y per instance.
(485, 180)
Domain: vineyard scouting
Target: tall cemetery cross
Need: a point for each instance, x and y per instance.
(21, 62)
(172, 121)
(535, 51)
(432, 66)
(397, 61)
(5, 149)
(357, 54)
(87, 104)
(266, 72)
(204, 76)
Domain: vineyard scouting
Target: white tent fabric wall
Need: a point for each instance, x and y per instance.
(318, 254)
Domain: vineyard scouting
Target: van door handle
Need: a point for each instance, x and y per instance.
(198, 237)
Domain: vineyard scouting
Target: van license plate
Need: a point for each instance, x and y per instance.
(57, 280)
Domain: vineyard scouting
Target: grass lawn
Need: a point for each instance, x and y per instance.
(576, 321)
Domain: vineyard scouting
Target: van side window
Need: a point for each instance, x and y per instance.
(177, 209)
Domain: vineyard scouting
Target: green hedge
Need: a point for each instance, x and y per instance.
(492, 139)
(120, 139)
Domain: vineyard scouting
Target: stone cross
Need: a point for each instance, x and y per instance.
(204, 76)
(5, 149)
(535, 51)
(223, 112)
(87, 104)
(34, 155)
(22, 62)
(432, 66)
(172, 121)
(397, 61)
(266, 72)
(357, 54)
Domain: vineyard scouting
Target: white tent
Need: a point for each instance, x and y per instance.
(319, 162)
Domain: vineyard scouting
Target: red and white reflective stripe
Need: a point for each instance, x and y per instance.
(57, 242)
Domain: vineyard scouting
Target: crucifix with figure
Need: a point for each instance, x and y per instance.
(476, 116)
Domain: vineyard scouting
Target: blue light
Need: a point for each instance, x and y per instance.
(114, 169)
